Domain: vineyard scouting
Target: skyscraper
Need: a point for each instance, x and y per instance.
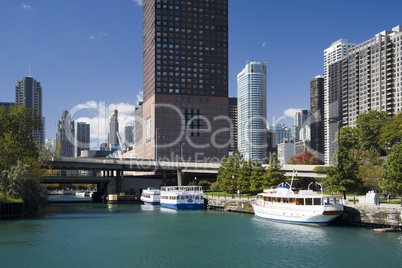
(372, 76)
(185, 54)
(83, 138)
(252, 111)
(233, 118)
(65, 135)
(28, 92)
(317, 116)
(300, 121)
(113, 141)
(333, 54)
(128, 136)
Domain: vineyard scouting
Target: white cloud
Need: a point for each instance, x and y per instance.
(26, 6)
(291, 112)
(139, 2)
(98, 36)
(264, 44)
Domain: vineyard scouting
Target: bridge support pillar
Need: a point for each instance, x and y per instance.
(179, 178)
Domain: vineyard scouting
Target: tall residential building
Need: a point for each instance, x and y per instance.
(317, 116)
(372, 76)
(252, 111)
(185, 63)
(335, 53)
(28, 92)
(83, 138)
(65, 135)
(233, 128)
(113, 137)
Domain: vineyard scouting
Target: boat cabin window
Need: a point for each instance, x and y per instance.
(331, 201)
(300, 201)
(309, 201)
(317, 201)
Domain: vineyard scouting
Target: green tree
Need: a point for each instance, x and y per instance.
(243, 176)
(206, 185)
(369, 129)
(257, 178)
(228, 171)
(343, 176)
(391, 133)
(274, 174)
(20, 158)
(392, 174)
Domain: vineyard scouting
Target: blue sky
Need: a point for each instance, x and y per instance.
(88, 54)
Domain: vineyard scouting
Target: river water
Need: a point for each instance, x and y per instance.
(101, 235)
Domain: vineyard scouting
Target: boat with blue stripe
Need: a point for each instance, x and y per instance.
(306, 207)
(182, 197)
(151, 196)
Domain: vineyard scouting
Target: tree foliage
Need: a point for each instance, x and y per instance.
(305, 158)
(392, 174)
(369, 129)
(274, 174)
(20, 157)
(391, 134)
(343, 176)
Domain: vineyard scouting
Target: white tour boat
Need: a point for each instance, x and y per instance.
(182, 197)
(306, 207)
(150, 196)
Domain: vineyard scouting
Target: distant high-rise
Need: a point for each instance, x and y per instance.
(113, 142)
(185, 60)
(301, 119)
(128, 136)
(28, 92)
(83, 138)
(333, 54)
(280, 133)
(7, 105)
(317, 116)
(252, 111)
(233, 118)
(65, 135)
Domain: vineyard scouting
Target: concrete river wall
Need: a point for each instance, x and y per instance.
(384, 215)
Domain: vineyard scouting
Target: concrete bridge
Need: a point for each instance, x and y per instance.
(115, 175)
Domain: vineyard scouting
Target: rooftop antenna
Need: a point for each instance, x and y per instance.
(29, 75)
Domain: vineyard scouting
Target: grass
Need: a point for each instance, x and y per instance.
(8, 199)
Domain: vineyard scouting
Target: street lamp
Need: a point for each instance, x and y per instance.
(232, 186)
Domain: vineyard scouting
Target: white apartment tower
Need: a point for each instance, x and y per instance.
(252, 111)
(372, 76)
(335, 53)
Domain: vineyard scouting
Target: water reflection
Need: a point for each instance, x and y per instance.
(148, 207)
(285, 233)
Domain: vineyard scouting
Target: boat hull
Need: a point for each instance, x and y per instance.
(183, 206)
(313, 216)
(147, 202)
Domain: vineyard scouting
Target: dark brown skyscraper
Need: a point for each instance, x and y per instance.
(185, 108)
(317, 116)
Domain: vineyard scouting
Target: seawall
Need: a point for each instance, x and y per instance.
(384, 215)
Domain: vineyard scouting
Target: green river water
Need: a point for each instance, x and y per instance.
(101, 235)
